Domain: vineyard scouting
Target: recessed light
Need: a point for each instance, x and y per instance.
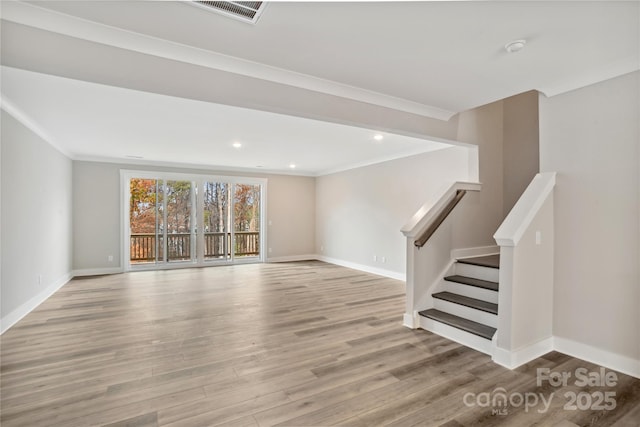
(237, 145)
(259, 166)
(515, 46)
(292, 165)
(378, 137)
(134, 157)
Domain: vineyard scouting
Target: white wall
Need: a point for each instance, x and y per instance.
(96, 210)
(36, 220)
(359, 212)
(591, 138)
(96, 214)
(291, 208)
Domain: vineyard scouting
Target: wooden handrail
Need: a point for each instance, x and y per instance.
(439, 219)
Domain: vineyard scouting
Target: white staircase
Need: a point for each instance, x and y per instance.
(465, 306)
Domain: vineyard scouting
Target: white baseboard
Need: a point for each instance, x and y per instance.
(293, 258)
(472, 252)
(409, 320)
(365, 268)
(514, 359)
(13, 317)
(97, 271)
(607, 359)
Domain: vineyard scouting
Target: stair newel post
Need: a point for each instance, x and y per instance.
(409, 319)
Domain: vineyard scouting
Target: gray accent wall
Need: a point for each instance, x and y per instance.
(36, 217)
(591, 138)
(479, 215)
(521, 148)
(506, 133)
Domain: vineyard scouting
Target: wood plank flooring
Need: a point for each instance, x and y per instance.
(292, 344)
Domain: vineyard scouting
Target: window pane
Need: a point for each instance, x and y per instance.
(246, 210)
(178, 194)
(216, 214)
(142, 220)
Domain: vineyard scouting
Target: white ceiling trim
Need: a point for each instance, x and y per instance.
(34, 16)
(593, 76)
(10, 107)
(252, 172)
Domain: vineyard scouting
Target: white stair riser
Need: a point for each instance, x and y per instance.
(466, 312)
(465, 338)
(470, 291)
(477, 272)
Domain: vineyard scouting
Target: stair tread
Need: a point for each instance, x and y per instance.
(466, 325)
(479, 283)
(489, 307)
(492, 261)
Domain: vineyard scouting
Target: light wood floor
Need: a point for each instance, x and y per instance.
(294, 344)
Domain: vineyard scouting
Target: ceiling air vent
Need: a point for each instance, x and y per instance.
(247, 11)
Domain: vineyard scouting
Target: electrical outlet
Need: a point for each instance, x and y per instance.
(110, 258)
(538, 238)
(384, 259)
(375, 258)
(269, 250)
(39, 279)
(321, 248)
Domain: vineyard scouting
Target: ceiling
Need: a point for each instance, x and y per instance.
(197, 80)
(90, 121)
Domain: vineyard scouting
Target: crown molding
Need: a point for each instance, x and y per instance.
(193, 166)
(10, 108)
(56, 22)
(377, 160)
(593, 76)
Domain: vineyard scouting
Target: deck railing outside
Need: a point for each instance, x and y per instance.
(143, 246)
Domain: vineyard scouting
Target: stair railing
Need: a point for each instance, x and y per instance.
(439, 219)
(418, 230)
(432, 214)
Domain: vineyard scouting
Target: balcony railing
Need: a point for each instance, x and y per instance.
(178, 246)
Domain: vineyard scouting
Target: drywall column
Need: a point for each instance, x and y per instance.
(521, 153)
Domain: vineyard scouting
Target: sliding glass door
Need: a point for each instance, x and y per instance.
(246, 222)
(192, 221)
(216, 221)
(144, 221)
(177, 231)
(225, 204)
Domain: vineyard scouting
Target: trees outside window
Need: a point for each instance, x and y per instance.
(163, 225)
